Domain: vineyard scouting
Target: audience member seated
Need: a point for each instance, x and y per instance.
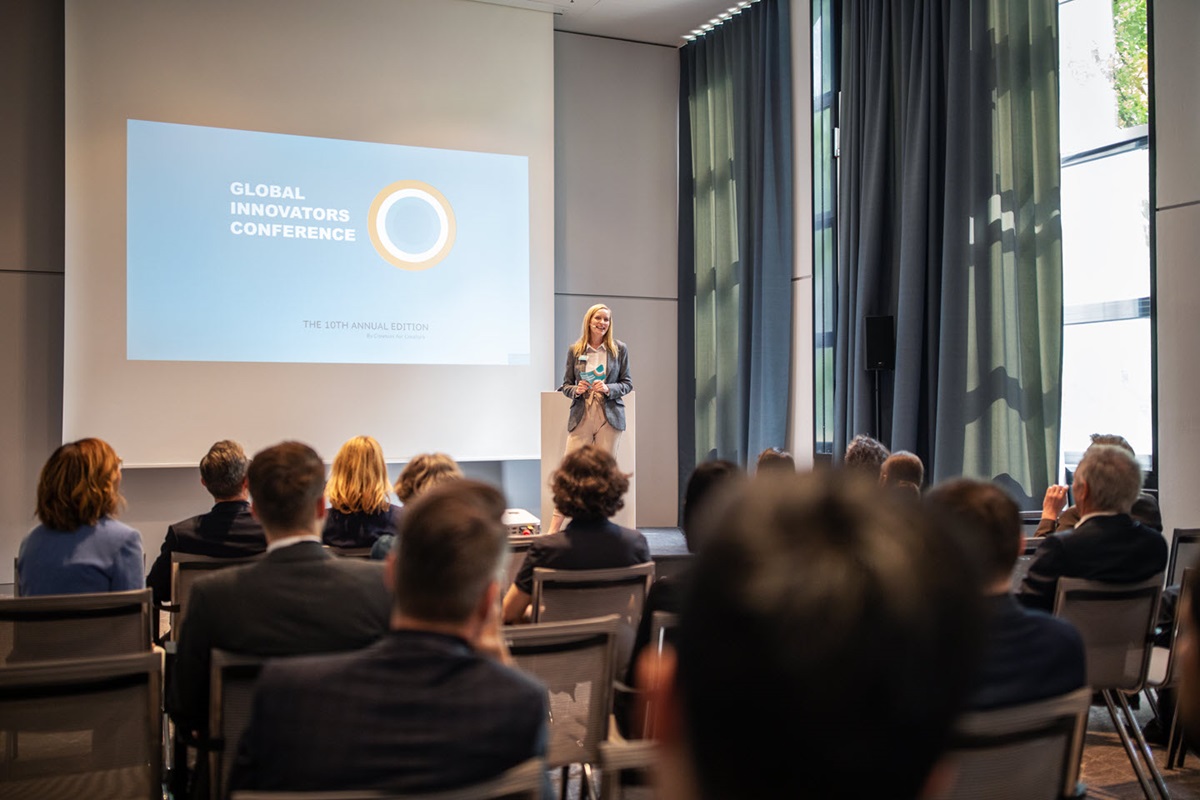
(433, 705)
(1028, 655)
(588, 488)
(903, 472)
(297, 599)
(707, 481)
(775, 459)
(80, 547)
(425, 471)
(824, 650)
(229, 530)
(1057, 518)
(358, 489)
(865, 455)
(1107, 544)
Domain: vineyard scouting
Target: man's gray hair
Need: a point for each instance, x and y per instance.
(1113, 478)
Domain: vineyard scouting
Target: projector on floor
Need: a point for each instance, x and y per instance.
(521, 523)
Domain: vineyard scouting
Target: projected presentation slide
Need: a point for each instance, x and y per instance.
(266, 247)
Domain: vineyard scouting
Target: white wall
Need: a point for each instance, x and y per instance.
(615, 182)
(1177, 215)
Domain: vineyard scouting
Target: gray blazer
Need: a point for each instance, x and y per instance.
(620, 383)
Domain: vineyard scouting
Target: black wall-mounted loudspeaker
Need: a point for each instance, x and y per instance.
(881, 342)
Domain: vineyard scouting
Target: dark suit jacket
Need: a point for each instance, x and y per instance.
(584, 544)
(1028, 655)
(1115, 549)
(618, 380)
(1145, 510)
(296, 600)
(228, 531)
(416, 711)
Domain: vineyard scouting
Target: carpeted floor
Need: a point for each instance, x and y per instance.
(1106, 770)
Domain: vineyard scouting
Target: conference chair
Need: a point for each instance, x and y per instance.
(88, 727)
(1185, 552)
(620, 761)
(1026, 752)
(232, 679)
(1117, 623)
(522, 782)
(74, 626)
(575, 662)
(568, 594)
(518, 548)
(186, 569)
(1163, 667)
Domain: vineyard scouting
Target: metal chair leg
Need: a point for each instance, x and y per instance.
(1134, 761)
(1144, 748)
(1176, 746)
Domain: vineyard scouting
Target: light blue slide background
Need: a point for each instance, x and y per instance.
(198, 292)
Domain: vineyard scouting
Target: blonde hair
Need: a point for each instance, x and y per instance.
(79, 484)
(358, 479)
(424, 472)
(610, 343)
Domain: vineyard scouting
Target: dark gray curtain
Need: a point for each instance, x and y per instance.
(949, 221)
(735, 237)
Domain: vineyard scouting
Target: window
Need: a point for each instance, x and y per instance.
(1103, 135)
(824, 88)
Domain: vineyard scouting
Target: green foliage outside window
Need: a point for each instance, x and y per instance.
(1130, 66)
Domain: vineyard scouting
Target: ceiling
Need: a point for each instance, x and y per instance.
(652, 21)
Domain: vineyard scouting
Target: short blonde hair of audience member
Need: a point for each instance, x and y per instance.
(358, 480)
(79, 484)
(425, 471)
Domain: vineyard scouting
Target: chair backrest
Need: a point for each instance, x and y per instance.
(1185, 552)
(232, 679)
(1027, 752)
(1188, 585)
(1117, 623)
(83, 728)
(349, 552)
(518, 548)
(522, 782)
(618, 759)
(186, 569)
(567, 594)
(74, 626)
(672, 565)
(575, 662)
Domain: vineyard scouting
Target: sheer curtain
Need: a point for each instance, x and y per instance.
(949, 221)
(735, 237)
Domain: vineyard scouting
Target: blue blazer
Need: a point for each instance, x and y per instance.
(620, 383)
